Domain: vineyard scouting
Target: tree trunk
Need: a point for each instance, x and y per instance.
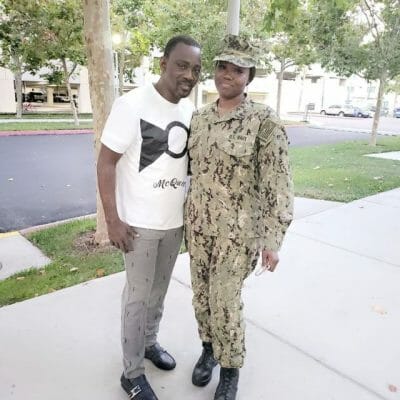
(382, 82)
(101, 81)
(18, 85)
(69, 91)
(279, 94)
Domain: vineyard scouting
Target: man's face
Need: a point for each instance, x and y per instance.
(180, 71)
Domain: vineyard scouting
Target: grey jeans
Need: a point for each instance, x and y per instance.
(148, 272)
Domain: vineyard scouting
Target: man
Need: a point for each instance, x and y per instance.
(141, 173)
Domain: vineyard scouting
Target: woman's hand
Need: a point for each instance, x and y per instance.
(269, 260)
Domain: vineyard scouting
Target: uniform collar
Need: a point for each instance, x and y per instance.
(239, 112)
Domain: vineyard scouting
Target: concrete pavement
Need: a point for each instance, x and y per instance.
(18, 254)
(324, 326)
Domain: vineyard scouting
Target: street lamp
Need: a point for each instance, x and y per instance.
(116, 39)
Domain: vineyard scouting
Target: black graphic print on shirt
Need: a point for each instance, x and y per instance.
(157, 141)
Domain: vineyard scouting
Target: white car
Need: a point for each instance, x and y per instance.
(347, 111)
(334, 110)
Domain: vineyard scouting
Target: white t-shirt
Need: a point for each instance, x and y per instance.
(152, 135)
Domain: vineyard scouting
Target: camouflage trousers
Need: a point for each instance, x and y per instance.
(219, 267)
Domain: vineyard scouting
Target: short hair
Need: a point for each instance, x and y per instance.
(174, 41)
(252, 74)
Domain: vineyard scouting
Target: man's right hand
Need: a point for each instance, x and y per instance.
(121, 235)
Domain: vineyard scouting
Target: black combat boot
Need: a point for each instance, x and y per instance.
(227, 386)
(202, 372)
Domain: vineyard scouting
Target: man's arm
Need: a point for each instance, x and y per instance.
(118, 232)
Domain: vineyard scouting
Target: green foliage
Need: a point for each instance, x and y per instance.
(205, 21)
(129, 20)
(282, 15)
(18, 28)
(287, 25)
(61, 31)
(358, 37)
(394, 85)
(54, 77)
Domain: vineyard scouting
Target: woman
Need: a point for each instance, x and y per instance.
(239, 204)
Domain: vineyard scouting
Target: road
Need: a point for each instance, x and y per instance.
(386, 124)
(51, 178)
(45, 179)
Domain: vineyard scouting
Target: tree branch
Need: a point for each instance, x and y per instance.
(288, 64)
(72, 70)
(374, 26)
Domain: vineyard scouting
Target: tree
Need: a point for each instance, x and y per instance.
(205, 21)
(129, 22)
(287, 25)
(97, 32)
(61, 39)
(359, 37)
(19, 25)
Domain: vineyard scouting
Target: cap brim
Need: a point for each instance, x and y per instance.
(235, 60)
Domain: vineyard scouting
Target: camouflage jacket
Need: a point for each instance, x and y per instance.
(241, 184)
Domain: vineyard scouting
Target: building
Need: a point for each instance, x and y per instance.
(310, 85)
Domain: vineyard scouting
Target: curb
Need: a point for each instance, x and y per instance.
(366, 131)
(8, 234)
(47, 132)
(37, 228)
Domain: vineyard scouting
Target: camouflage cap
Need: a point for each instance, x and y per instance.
(238, 51)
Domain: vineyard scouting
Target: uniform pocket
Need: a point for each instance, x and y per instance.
(236, 148)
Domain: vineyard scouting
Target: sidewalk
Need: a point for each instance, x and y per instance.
(324, 326)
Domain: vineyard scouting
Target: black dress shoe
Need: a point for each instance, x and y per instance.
(202, 372)
(228, 383)
(160, 357)
(138, 388)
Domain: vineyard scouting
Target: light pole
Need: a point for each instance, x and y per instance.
(116, 38)
(233, 17)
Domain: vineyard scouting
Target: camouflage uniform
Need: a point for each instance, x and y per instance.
(240, 201)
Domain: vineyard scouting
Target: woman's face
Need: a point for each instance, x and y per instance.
(230, 79)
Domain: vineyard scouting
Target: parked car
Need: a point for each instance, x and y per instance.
(361, 112)
(38, 97)
(384, 110)
(61, 98)
(396, 112)
(347, 111)
(333, 110)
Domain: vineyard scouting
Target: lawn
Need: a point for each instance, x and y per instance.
(45, 115)
(341, 172)
(43, 126)
(332, 172)
(74, 260)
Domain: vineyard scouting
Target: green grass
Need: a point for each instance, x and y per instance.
(59, 244)
(42, 126)
(45, 115)
(341, 172)
(331, 172)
